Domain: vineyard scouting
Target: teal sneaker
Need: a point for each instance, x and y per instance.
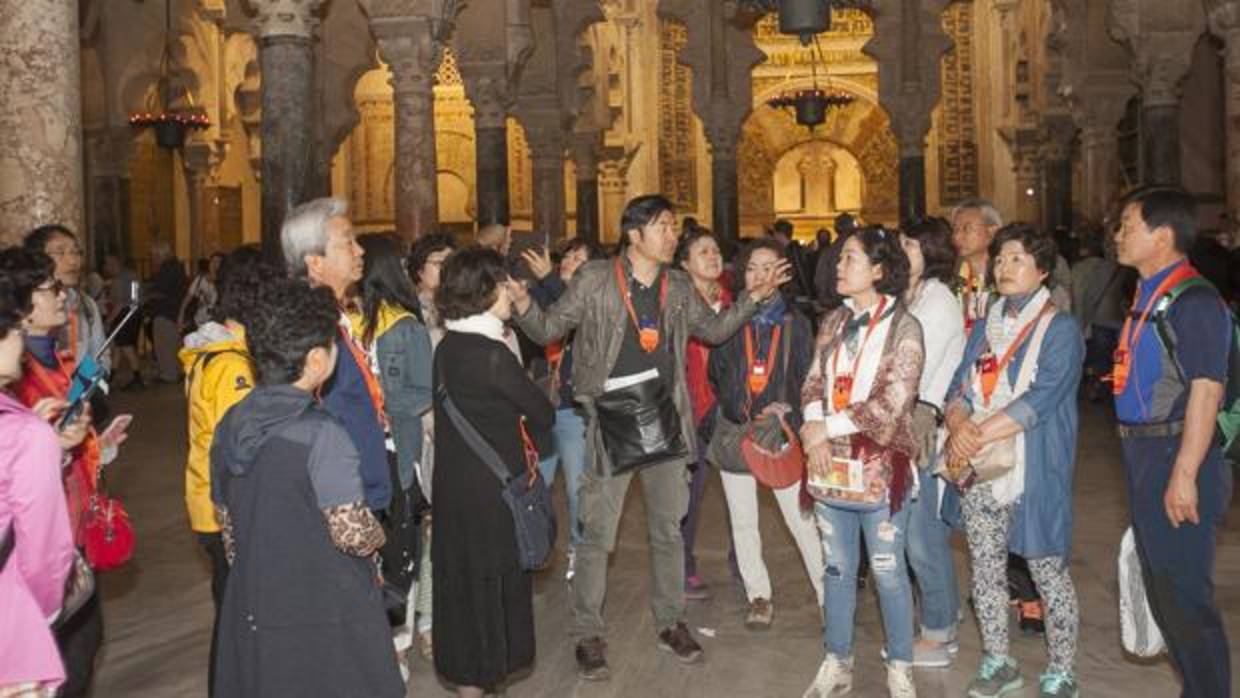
(996, 677)
(1053, 684)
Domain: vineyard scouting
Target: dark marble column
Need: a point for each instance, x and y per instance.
(492, 173)
(287, 65)
(1161, 138)
(549, 205)
(724, 188)
(585, 157)
(912, 187)
(109, 219)
(1057, 188)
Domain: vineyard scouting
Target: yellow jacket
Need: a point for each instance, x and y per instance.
(217, 375)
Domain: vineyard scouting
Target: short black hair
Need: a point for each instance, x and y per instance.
(422, 250)
(291, 319)
(243, 276)
(384, 280)
(742, 260)
(593, 251)
(1169, 206)
(469, 282)
(37, 239)
(1037, 244)
(782, 226)
(640, 212)
(934, 235)
(686, 242)
(21, 272)
(882, 247)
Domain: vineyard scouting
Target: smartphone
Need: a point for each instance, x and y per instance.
(135, 292)
(116, 428)
(79, 403)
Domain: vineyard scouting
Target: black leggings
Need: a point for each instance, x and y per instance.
(79, 640)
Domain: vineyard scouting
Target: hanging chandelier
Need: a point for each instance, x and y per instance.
(806, 19)
(811, 106)
(169, 125)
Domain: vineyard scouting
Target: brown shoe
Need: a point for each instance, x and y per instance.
(760, 613)
(592, 659)
(677, 640)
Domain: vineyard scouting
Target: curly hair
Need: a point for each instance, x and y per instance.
(882, 247)
(243, 276)
(22, 270)
(426, 246)
(1037, 243)
(291, 319)
(469, 282)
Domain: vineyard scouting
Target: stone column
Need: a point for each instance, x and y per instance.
(1098, 114)
(488, 92)
(612, 184)
(1160, 134)
(912, 140)
(1057, 172)
(1026, 148)
(200, 161)
(286, 62)
(585, 157)
(724, 184)
(1224, 16)
(409, 47)
(547, 145)
(40, 117)
(107, 166)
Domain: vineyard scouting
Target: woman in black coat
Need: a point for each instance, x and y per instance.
(483, 606)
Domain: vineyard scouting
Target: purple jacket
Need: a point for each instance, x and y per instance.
(32, 507)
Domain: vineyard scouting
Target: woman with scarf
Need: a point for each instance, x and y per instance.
(858, 405)
(759, 372)
(1021, 422)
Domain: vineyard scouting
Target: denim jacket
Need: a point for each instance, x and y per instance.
(404, 353)
(1042, 523)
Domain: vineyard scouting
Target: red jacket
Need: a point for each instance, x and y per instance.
(697, 358)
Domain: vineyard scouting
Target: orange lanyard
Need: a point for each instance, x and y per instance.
(372, 382)
(1130, 337)
(759, 372)
(73, 331)
(842, 385)
(646, 336)
(991, 370)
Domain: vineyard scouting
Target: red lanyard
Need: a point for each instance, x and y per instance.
(759, 372)
(842, 385)
(372, 382)
(647, 336)
(990, 369)
(1130, 337)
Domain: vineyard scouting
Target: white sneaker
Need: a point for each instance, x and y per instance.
(834, 678)
(572, 565)
(900, 680)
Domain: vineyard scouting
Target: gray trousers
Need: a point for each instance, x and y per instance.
(600, 502)
(167, 341)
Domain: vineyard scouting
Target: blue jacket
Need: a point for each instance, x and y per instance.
(1042, 523)
(346, 398)
(405, 362)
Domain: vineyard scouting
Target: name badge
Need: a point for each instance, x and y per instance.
(841, 392)
(758, 379)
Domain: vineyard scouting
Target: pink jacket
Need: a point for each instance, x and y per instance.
(32, 506)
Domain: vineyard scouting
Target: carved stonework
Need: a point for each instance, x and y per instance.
(520, 172)
(286, 17)
(677, 131)
(957, 137)
(878, 153)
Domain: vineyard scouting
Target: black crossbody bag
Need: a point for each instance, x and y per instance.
(526, 495)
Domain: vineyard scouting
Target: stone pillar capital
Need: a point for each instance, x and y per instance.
(1058, 133)
(412, 51)
(296, 18)
(586, 148)
(486, 86)
(910, 125)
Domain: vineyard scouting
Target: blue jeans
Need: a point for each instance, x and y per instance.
(570, 452)
(841, 542)
(930, 556)
(1178, 563)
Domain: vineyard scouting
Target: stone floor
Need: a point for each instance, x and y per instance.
(158, 608)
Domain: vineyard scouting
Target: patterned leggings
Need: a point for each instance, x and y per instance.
(986, 524)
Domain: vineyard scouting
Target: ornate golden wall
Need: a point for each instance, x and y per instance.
(956, 132)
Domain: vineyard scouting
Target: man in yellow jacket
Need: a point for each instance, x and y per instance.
(218, 373)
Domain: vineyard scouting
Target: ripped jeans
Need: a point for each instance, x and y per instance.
(884, 533)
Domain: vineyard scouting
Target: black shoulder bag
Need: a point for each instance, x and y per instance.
(526, 495)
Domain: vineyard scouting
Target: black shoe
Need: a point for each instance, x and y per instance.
(592, 659)
(679, 641)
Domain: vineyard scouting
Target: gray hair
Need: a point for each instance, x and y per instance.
(305, 231)
(990, 214)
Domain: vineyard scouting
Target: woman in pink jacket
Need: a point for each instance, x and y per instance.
(36, 545)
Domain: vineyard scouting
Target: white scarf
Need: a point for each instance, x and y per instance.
(484, 324)
(871, 356)
(1001, 331)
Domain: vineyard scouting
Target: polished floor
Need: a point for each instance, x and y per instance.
(158, 608)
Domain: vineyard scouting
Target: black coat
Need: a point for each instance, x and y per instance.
(727, 370)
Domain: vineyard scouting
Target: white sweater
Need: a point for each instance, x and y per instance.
(942, 326)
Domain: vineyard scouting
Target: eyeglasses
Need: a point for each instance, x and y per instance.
(55, 287)
(70, 251)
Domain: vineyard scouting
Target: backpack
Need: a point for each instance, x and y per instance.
(1229, 413)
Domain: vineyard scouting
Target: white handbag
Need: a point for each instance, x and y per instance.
(1138, 630)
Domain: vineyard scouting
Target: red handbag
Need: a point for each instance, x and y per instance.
(107, 534)
(778, 468)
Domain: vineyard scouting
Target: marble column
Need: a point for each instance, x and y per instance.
(408, 46)
(107, 183)
(488, 92)
(1225, 23)
(1160, 118)
(724, 187)
(912, 182)
(1027, 161)
(40, 117)
(547, 145)
(286, 62)
(585, 157)
(1057, 173)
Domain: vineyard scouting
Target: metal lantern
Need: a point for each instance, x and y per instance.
(804, 18)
